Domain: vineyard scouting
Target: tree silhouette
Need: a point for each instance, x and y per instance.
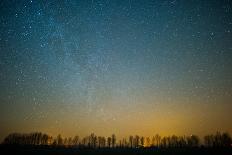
(153, 141)
(44, 140)
(148, 141)
(101, 142)
(157, 140)
(70, 141)
(218, 140)
(75, 140)
(113, 137)
(164, 142)
(27, 139)
(136, 141)
(92, 141)
(208, 140)
(65, 141)
(59, 140)
(85, 142)
(174, 141)
(109, 140)
(124, 142)
(226, 140)
(193, 141)
(142, 141)
(131, 141)
(182, 142)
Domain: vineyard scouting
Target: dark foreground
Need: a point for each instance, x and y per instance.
(46, 150)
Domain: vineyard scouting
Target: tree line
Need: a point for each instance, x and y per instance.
(93, 141)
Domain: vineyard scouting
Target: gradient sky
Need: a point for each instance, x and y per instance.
(124, 67)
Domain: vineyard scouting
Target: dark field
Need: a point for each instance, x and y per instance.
(45, 150)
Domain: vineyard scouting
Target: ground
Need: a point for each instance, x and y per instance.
(45, 150)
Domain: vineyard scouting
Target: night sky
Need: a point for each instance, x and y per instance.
(115, 66)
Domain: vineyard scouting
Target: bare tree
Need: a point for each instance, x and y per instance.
(226, 140)
(109, 140)
(157, 140)
(124, 142)
(85, 142)
(136, 141)
(142, 141)
(59, 140)
(148, 142)
(113, 137)
(93, 140)
(164, 142)
(75, 140)
(153, 141)
(174, 141)
(209, 139)
(218, 140)
(44, 139)
(182, 142)
(101, 142)
(131, 141)
(193, 141)
(70, 141)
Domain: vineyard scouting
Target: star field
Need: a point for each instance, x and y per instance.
(80, 66)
